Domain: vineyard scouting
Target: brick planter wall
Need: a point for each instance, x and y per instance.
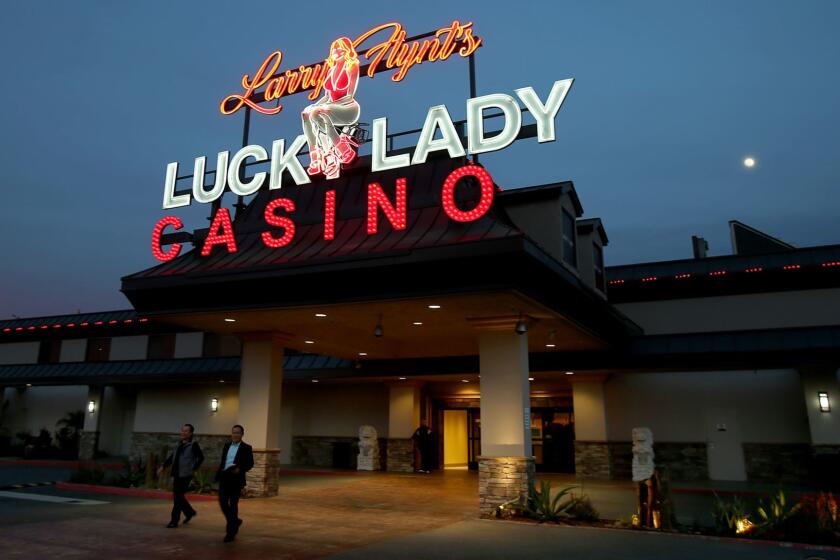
(161, 443)
(400, 455)
(592, 459)
(88, 442)
(503, 479)
(264, 479)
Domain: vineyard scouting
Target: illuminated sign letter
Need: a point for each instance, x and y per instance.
(377, 199)
(287, 161)
(170, 199)
(175, 249)
(380, 161)
(329, 216)
(448, 193)
(544, 114)
(221, 233)
(199, 194)
(438, 117)
(279, 221)
(239, 186)
(475, 122)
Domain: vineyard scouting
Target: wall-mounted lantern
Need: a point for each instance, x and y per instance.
(214, 405)
(91, 406)
(825, 405)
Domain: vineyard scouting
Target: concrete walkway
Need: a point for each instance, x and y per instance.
(346, 515)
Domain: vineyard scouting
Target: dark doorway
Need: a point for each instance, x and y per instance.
(553, 439)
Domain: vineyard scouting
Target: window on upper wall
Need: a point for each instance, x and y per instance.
(49, 352)
(598, 260)
(98, 349)
(569, 244)
(161, 347)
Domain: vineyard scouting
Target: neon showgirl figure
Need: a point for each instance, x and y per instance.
(322, 121)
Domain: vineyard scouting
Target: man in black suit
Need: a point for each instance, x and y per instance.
(237, 459)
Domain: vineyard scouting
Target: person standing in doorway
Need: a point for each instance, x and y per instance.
(424, 440)
(184, 460)
(237, 459)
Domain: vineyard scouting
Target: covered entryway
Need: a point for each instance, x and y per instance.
(483, 294)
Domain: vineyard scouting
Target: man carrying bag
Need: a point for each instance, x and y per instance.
(237, 459)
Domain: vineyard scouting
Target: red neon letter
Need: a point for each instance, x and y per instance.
(280, 221)
(221, 221)
(329, 216)
(175, 249)
(448, 193)
(377, 199)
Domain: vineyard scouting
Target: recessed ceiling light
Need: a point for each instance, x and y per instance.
(221, 380)
(314, 381)
(29, 384)
(434, 307)
(402, 378)
(550, 345)
(229, 320)
(465, 381)
(320, 314)
(309, 341)
(530, 379)
(417, 323)
(570, 373)
(362, 353)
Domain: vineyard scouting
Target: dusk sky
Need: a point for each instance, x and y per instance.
(669, 98)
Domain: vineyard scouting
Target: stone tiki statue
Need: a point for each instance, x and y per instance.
(368, 459)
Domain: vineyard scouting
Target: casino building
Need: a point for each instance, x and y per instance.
(507, 333)
(410, 286)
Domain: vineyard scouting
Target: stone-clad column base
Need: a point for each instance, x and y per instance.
(503, 479)
(400, 455)
(263, 480)
(592, 459)
(88, 444)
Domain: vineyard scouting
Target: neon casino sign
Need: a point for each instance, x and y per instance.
(337, 76)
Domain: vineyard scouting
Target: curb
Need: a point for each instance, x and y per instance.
(735, 540)
(131, 492)
(26, 485)
(59, 464)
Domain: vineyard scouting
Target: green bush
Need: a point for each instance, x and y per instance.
(583, 510)
(542, 506)
(726, 514)
(202, 481)
(775, 515)
(131, 476)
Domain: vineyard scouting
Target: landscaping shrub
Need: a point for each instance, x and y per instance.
(85, 475)
(543, 507)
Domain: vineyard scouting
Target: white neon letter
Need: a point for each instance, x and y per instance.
(544, 114)
(437, 117)
(380, 160)
(199, 194)
(287, 161)
(170, 200)
(237, 185)
(475, 122)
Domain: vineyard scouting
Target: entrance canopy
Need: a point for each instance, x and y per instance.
(328, 296)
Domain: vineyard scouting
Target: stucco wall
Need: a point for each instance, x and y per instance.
(725, 313)
(73, 350)
(19, 352)
(188, 345)
(722, 409)
(129, 347)
(337, 410)
(166, 409)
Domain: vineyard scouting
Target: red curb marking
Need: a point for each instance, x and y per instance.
(134, 492)
(58, 463)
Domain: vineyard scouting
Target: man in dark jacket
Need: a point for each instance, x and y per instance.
(237, 459)
(425, 442)
(185, 459)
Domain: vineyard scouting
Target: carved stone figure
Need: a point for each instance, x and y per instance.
(368, 459)
(642, 454)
